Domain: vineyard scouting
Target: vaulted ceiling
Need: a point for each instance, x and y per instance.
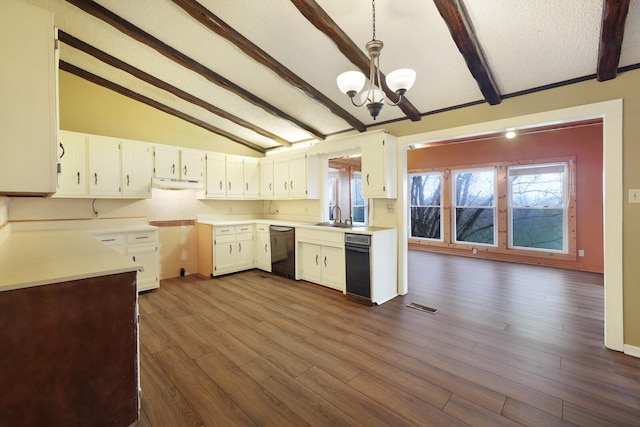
(263, 72)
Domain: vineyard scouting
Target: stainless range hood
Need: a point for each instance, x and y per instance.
(176, 184)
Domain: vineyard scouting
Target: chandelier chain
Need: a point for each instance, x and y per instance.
(373, 14)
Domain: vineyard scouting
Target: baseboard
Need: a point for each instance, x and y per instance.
(632, 350)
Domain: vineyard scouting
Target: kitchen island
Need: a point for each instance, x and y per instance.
(68, 330)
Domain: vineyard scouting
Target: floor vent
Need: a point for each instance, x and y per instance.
(422, 308)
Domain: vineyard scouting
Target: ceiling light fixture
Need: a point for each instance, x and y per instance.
(352, 82)
(510, 134)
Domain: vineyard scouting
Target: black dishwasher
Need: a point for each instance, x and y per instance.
(356, 248)
(283, 251)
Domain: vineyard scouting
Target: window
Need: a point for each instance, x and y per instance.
(538, 202)
(426, 205)
(358, 203)
(474, 206)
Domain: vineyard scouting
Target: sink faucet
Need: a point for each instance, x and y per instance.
(337, 209)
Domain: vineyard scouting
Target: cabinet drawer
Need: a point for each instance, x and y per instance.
(111, 239)
(141, 237)
(262, 228)
(247, 228)
(223, 231)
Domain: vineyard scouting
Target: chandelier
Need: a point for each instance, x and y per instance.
(352, 82)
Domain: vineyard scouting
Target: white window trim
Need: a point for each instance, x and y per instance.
(440, 174)
(454, 206)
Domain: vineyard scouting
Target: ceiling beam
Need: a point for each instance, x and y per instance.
(70, 68)
(76, 43)
(221, 28)
(455, 16)
(614, 15)
(96, 10)
(323, 22)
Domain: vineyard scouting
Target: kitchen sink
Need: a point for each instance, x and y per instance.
(333, 224)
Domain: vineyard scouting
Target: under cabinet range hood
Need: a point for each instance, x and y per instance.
(176, 184)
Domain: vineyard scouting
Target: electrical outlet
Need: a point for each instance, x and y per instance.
(581, 252)
(391, 208)
(474, 251)
(634, 195)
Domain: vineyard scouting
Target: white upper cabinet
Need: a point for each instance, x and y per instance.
(104, 166)
(251, 173)
(379, 167)
(136, 169)
(166, 162)
(191, 165)
(235, 176)
(72, 176)
(266, 178)
(216, 176)
(29, 112)
(295, 177)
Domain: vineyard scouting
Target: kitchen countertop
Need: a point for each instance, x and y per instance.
(356, 229)
(34, 258)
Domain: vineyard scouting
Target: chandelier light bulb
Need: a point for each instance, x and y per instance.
(401, 80)
(351, 82)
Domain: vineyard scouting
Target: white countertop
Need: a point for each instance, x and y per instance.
(34, 258)
(355, 229)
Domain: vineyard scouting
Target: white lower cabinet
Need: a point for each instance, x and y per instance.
(320, 256)
(262, 248)
(142, 248)
(232, 249)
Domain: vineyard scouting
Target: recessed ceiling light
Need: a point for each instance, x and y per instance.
(510, 134)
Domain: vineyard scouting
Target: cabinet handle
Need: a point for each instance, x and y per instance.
(173, 169)
(285, 185)
(128, 181)
(78, 177)
(142, 237)
(185, 170)
(230, 248)
(239, 247)
(325, 261)
(269, 186)
(229, 185)
(291, 186)
(95, 177)
(316, 259)
(134, 258)
(265, 248)
(246, 184)
(107, 240)
(62, 147)
(367, 179)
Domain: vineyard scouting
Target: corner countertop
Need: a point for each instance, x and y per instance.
(34, 258)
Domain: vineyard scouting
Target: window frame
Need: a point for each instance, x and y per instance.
(454, 206)
(441, 175)
(565, 206)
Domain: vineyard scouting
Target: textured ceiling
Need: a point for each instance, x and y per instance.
(527, 44)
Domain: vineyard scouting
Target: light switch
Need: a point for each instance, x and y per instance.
(634, 195)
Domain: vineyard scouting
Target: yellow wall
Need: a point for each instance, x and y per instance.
(89, 108)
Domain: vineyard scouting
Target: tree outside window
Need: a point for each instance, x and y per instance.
(426, 205)
(538, 201)
(474, 206)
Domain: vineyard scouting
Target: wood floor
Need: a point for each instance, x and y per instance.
(509, 345)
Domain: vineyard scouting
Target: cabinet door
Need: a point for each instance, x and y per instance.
(281, 178)
(28, 88)
(191, 165)
(235, 177)
(104, 166)
(147, 256)
(216, 175)
(266, 178)
(298, 177)
(374, 174)
(251, 173)
(262, 250)
(310, 262)
(166, 162)
(224, 256)
(333, 267)
(136, 169)
(244, 254)
(72, 179)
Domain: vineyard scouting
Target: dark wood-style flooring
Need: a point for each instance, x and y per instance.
(510, 345)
